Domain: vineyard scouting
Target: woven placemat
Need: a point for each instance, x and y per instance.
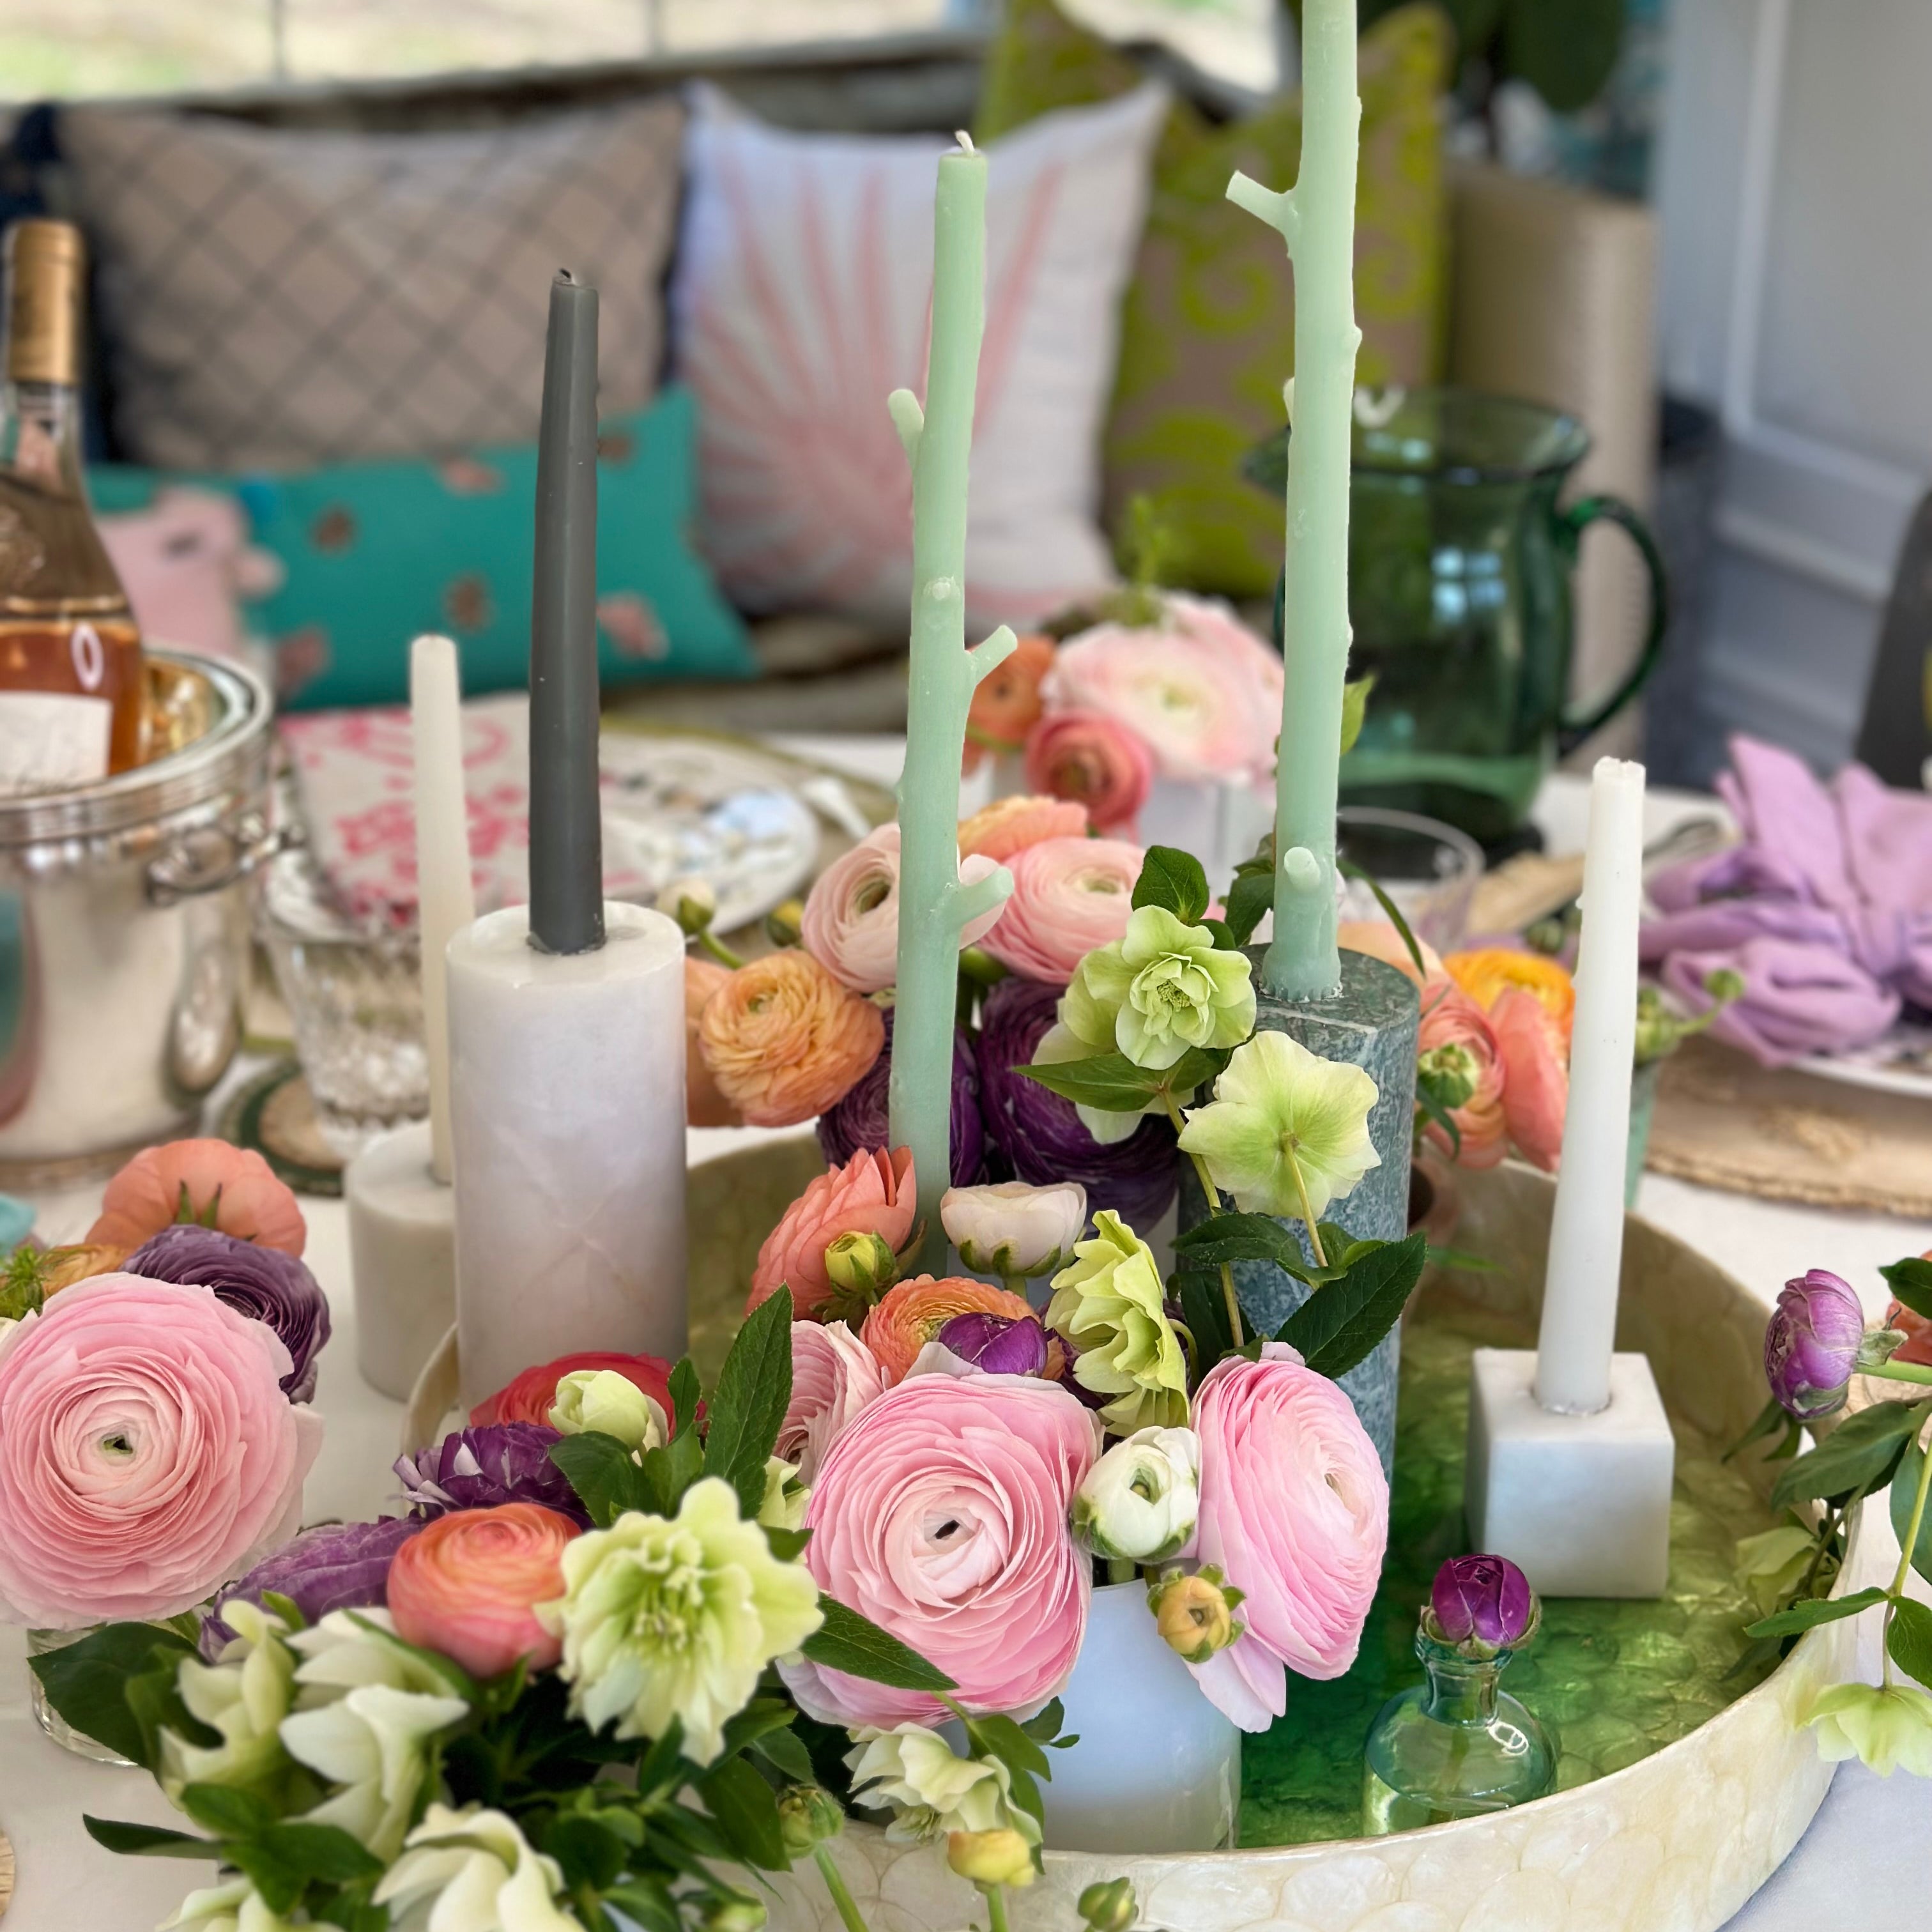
(1725, 1121)
(6, 1874)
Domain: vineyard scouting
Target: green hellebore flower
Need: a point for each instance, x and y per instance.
(1288, 1132)
(1162, 989)
(1885, 1727)
(1108, 1307)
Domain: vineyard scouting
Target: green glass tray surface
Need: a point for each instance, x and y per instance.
(1615, 1680)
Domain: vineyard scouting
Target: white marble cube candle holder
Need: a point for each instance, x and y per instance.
(1580, 1503)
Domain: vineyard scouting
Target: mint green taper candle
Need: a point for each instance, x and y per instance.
(1317, 220)
(934, 904)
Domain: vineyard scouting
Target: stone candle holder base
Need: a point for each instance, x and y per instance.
(1580, 1503)
(402, 1251)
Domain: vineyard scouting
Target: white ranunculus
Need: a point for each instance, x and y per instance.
(245, 1696)
(1139, 1501)
(930, 1789)
(374, 1743)
(1008, 1228)
(473, 1871)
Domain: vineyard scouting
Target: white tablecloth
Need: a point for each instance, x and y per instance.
(1867, 1862)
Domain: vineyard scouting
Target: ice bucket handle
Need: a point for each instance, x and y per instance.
(211, 857)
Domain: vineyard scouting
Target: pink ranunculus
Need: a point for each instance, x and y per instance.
(1088, 756)
(1295, 1512)
(1456, 1037)
(1379, 940)
(941, 1513)
(469, 1586)
(874, 1193)
(851, 921)
(147, 1454)
(833, 1376)
(1010, 825)
(1199, 689)
(1069, 895)
(1536, 1083)
(249, 1200)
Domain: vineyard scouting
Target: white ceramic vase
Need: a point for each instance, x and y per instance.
(1157, 1768)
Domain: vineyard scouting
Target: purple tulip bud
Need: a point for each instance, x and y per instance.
(1811, 1343)
(999, 1344)
(1485, 1599)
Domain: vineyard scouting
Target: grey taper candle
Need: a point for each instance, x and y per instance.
(566, 833)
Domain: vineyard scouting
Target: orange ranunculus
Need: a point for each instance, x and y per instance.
(468, 1585)
(1379, 940)
(1010, 825)
(874, 1193)
(704, 1106)
(912, 1313)
(183, 1180)
(1536, 1083)
(1486, 973)
(1006, 700)
(785, 1040)
(1456, 1038)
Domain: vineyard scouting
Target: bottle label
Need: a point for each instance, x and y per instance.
(50, 740)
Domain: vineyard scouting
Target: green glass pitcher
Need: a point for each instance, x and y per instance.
(1459, 559)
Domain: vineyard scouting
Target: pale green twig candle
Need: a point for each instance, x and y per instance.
(1317, 219)
(934, 904)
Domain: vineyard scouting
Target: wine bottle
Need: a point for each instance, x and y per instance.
(71, 697)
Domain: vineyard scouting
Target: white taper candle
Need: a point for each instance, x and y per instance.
(1586, 1231)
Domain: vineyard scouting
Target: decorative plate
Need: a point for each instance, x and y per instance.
(1898, 1062)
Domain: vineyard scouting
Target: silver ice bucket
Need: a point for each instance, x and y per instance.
(124, 931)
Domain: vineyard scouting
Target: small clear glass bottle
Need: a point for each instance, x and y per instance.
(1455, 1747)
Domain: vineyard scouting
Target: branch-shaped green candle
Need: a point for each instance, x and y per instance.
(935, 905)
(1317, 220)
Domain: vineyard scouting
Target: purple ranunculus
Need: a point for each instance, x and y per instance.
(478, 1469)
(1039, 1135)
(1811, 1343)
(262, 1282)
(335, 1566)
(860, 1120)
(1486, 1599)
(1001, 1345)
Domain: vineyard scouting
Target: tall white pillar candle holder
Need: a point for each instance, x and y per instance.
(1571, 1456)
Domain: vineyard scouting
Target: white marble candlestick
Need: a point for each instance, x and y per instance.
(567, 1104)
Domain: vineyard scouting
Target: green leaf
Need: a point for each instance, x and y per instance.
(1802, 1616)
(1431, 1106)
(1109, 1082)
(1199, 1066)
(1771, 1420)
(154, 1700)
(1249, 900)
(225, 1810)
(684, 1395)
(787, 1545)
(784, 1751)
(747, 1812)
(1205, 1310)
(590, 1853)
(1000, 1737)
(324, 1852)
(1391, 911)
(147, 1841)
(599, 1469)
(1861, 1453)
(1910, 1638)
(1243, 1238)
(648, 1901)
(85, 1682)
(1338, 1325)
(749, 1403)
(280, 1885)
(286, 1608)
(846, 1641)
(1354, 709)
(1911, 1283)
(669, 1471)
(1224, 940)
(1173, 880)
(1566, 53)
(1043, 1727)
(1904, 1494)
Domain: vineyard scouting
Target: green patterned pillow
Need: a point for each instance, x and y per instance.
(1207, 333)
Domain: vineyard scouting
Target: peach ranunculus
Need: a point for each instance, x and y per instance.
(874, 1193)
(1486, 973)
(1536, 1083)
(941, 1514)
(912, 1312)
(851, 924)
(1294, 1513)
(1069, 896)
(785, 1040)
(147, 1454)
(1200, 690)
(704, 1106)
(183, 1180)
(467, 1586)
(530, 1397)
(1088, 756)
(834, 1375)
(1007, 701)
(1457, 1043)
(1009, 826)
(1379, 940)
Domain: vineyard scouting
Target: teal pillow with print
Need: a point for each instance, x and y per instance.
(373, 554)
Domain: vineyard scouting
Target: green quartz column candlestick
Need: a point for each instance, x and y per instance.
(1317, 220)
(934, 904)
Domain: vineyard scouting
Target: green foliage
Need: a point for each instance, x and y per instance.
(1340, 1325)
(1772, 1420)
(1861, 1453)
(1111, 1083)
(1908, 1638)
(846, 1641)
(1391, 911)
(87, 1683)
(1174, 880)
(748, 1406)
(1566, 50)
(1355, 709)
(1022, 1749)
(21, 1292)
(1251, 897)
(1904, 1498)
(1911, 1283)
(1811, 1610)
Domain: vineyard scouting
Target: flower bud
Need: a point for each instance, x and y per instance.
(807, 1816)
(784, 923)
(999, 1344)
(733, 1914)
(1450, 1073)
(1110, 1905)
(1195, 1615)
(603, 1401)
(1009, 1228)
(785, 1495)
(1139, 1501)
(692, 902)
(1811, 1343)
(1482, 1603)
(862, 1266)
(988, 1859)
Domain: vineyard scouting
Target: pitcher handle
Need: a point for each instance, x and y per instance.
(1571, 728)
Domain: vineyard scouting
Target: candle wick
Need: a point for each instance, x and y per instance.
(965, 141)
